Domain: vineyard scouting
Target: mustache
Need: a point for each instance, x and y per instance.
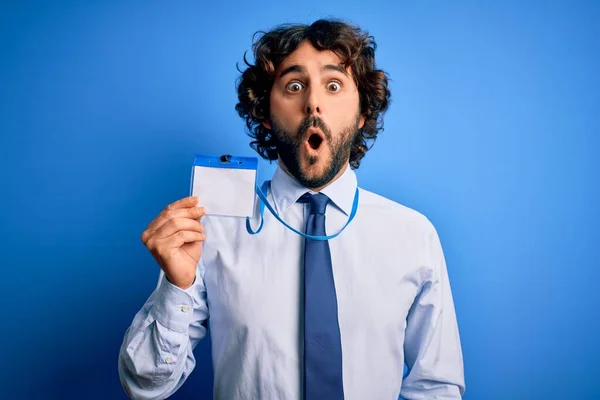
(313, 122)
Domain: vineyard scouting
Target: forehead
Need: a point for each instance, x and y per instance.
(306, 55)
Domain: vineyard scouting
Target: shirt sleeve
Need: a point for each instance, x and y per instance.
(432, 346)
(156, 355)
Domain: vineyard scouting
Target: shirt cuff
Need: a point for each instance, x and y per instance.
(174, 307)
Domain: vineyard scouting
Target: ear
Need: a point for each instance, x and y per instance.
(361, 122)
(267, 124)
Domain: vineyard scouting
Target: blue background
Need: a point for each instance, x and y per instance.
(492, 134)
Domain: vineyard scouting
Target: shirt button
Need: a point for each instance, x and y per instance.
(185, 308)
(168, 360)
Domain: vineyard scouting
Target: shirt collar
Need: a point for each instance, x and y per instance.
(287, 190)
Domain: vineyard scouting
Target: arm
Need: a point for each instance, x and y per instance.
(156, 356)
(432, 346)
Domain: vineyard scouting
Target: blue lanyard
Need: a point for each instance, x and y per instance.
(263, 201)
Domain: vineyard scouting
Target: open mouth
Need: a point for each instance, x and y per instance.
(314, 141)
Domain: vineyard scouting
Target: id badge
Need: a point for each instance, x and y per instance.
(225, 184)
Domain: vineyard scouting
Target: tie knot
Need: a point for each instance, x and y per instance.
(318, 202)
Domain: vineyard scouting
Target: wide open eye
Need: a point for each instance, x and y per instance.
(294, 87)
(334, 86)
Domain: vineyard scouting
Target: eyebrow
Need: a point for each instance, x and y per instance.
(299, 69)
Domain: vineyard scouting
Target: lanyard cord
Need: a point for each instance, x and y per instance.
(262, 194)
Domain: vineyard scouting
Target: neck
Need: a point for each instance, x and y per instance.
(317, 189)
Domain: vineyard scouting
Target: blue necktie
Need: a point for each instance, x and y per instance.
(322, 345)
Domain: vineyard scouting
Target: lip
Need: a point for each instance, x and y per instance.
(313, 131)
(309, 132)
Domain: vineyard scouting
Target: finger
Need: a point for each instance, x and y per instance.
(184, 202)
(191, 212)
(177, 224)
(178, 239)
(171, 226)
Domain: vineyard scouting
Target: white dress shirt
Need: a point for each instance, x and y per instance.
(394, 306)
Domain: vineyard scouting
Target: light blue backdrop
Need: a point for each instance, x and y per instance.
(492, 134)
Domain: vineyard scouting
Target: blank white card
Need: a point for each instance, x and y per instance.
(225, 188)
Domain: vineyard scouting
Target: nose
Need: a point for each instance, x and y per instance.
(313, 103)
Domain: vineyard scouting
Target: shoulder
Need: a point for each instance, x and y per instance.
(388, 211)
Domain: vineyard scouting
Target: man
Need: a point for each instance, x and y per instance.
(293, 317)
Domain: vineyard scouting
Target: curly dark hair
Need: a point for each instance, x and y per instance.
(354, 47)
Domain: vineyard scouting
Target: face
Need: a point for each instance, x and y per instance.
(315, 115)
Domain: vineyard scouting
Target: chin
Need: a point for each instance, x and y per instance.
(316, 175)
(315, 166)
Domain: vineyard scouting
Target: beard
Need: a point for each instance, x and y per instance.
(289, 148)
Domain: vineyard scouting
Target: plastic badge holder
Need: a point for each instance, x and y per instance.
(225, 184)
